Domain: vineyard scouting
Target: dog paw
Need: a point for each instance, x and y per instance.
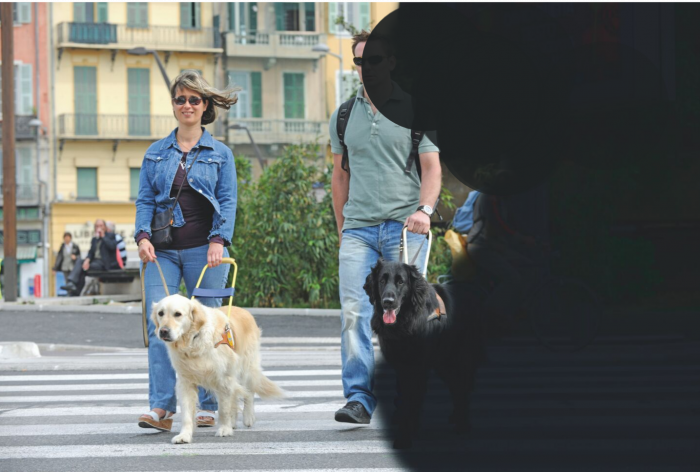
(182, 439)
(224, 431)
(248, 419)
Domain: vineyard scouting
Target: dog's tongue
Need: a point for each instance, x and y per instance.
(390, 316)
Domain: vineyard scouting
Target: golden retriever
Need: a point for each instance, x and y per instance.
(197, 345)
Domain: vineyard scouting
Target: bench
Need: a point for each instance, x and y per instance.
(114, 276)
(101, 282)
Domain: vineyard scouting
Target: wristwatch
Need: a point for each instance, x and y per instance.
(428, 210)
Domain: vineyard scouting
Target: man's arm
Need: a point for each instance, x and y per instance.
(340, 188)
(431, 183)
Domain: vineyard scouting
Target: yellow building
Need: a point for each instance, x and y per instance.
(110, 104)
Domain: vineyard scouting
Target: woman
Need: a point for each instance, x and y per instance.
(68, 253)
(203, 221)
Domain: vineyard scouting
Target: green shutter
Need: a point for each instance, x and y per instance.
(197, 15)
(139, 102)
(310, 16)
(293, 95)
(79, 12)
(279, 16)
(252, 18)
(332, 15)
(102, 15)
(87, 183)
(186, 15)
(131, 15)
(25, 105)
(256, 98)
(25, 12)
(364, 16)
(134, 182)
(232, 16)
(85, 83)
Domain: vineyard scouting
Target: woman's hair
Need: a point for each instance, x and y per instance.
(191, 79)
(67, 234)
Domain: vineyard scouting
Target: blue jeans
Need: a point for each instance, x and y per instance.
(184, 264)
(360, 249)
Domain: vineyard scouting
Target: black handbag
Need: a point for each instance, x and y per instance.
(162, 223)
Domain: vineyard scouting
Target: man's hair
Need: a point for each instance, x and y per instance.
(67, 234)
(358, 38)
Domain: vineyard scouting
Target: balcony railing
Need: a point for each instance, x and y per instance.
(22, 128)
(121, 127)
(26, 194)
(290, 45)
(278, 131)
(124, 36)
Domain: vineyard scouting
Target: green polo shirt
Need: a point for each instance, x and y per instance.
(380, 190)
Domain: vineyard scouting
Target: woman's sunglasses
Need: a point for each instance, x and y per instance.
(371, 60)
(194, 101)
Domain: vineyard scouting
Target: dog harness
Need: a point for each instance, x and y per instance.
(226, 338)
(439, 311)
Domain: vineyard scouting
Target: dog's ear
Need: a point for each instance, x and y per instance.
(197, 314)
(370, 286)
(418, 287)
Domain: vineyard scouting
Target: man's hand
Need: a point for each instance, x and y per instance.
(418, 222)
(73, 256)
(99, 233)
(215, 254)
(147, 252)
(86, 264)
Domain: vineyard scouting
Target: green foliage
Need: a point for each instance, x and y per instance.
(285, 241)
(348, 27)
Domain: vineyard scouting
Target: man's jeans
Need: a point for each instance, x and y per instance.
(359, 251)
(184, 264)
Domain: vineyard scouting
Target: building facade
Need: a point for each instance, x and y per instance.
(31, 78)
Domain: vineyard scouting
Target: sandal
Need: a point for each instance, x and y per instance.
(205, 419)
(152, 420)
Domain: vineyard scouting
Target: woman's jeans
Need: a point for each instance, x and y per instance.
(360, 249)
(184, 264)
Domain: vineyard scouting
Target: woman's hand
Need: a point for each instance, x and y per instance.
(215, 254)
(147, 252)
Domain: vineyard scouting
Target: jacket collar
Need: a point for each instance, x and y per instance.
(205, 141)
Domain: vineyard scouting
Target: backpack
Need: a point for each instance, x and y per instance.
(342, 123)
(464, 216)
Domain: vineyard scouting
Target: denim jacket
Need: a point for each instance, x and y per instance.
(214, 176)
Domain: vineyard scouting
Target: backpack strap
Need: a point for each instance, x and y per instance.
(416, 137)
(340, 126)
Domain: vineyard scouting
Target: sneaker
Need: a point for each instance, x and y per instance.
(353, 412)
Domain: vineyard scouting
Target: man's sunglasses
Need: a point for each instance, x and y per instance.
(194, 101)
(371, 60)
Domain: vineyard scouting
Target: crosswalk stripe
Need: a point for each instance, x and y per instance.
(144, 396)
(140, 386)
(142, 376)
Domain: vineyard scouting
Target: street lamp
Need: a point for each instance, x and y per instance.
(324, 49)
(261, 161)
(36, 123)
(141, 51)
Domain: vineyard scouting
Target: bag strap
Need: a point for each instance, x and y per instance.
(340, 126)
(416, 137)
(196, 156)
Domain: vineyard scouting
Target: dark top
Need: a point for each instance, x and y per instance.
(107, 247)
(197, 211)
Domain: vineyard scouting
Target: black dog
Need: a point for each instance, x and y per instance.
(413, 344)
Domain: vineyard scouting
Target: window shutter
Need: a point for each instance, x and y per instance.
(256, 99)
(102, 12)
(186, 15)
(142, 15)
(25, 12)
(364, 16)
(79, 12)
(252, 17)
(310, 16)
(131, 14)
(134, 182)
(232, 16)
(332, 15)
(26, 102)
(279, 16)
(87, 182)
(197, 15)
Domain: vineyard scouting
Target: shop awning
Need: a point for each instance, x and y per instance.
(24, 254)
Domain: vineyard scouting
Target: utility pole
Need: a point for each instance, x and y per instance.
(8, 152)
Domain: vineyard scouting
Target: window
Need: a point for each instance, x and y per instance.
(295, 16)
(190, 15)
(137, 15)
(356, 14)
(294, 95)
(102, 12)
(139, 102)
(28, 213)
(243, 18)
(85, 83)
(134, 173)
(250, 98)
(87, 183)
(21, 13)
(24, 96)
(84, 12)
(351, 82)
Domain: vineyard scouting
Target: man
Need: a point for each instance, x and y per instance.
(121, 245)
(372, 203)
(102, 256)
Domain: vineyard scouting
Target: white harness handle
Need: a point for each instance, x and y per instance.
(403, 249)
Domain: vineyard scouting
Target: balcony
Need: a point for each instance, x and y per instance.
(119, 36)
(25, 195)
(22, 128)
(281, 45)
(121, 127)
(278, 131)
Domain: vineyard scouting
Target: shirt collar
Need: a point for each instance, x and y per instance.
(205, 141)
(397, 92)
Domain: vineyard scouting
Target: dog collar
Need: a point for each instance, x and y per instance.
(226, 338)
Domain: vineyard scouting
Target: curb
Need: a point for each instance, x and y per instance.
(130, 309)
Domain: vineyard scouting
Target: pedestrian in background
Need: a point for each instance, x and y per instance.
(68, 253)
